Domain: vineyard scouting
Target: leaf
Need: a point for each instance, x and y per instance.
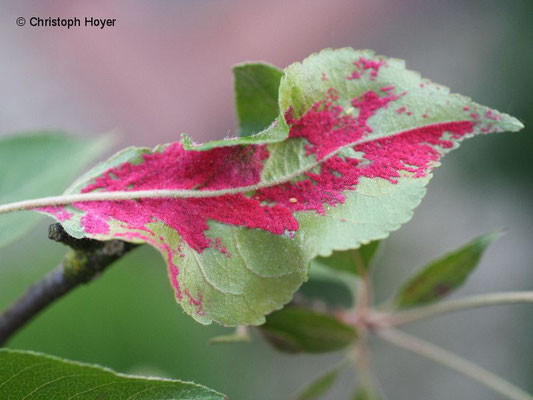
(295, 330)
(320, 386)
(256, 90)
(328, 283)
(444, 275)
(245, 220)
(351, 261)
(28, 375)
(36, 165)
(326, 286)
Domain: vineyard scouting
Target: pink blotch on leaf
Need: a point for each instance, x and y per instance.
(195, 302)
(364, 64)
(326, 128)
(176, 168)
(401, 109)
(59, 212)
(493, 116)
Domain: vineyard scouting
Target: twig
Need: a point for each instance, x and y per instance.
(446, 307)
(87, 259)
(454, 362)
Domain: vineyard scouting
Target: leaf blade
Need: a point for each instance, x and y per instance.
(31, 375)
(443, 275)
(256, 89)
(295, 330)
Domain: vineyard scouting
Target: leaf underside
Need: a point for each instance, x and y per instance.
(31, 376)
(345, 162)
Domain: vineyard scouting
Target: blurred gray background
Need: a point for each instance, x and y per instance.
(165, 68)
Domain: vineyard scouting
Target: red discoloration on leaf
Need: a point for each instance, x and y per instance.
(195, 302)
(59, 212)
(410, 151)
(175, 168)
(327, 129)
(491, 115)
(364, 64)
(95, 224)
(401, 110)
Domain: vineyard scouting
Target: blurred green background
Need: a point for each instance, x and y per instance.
(165, 68)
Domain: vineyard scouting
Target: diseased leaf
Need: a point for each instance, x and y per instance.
(295, 330)
(346, 163)
(444, 275)
(28, 375)
(39, 164)
(351, 261)
(320, 386)
(256, 90)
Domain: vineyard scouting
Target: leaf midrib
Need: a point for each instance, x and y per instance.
(179, 193)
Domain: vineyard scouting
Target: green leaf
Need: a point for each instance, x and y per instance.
(326, 286)
(328, 282)
(444, 275)
(28, 375)
(295, 330)
(351, 261)
(256, 89)
(356, 139)
(37, 165)
(321, 385)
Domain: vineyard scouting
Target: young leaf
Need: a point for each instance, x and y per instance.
(351, 261)
(320, 386)
(443, 275)
(295, 330)
(29, 375)
(36, 165)
(347, 162)
(256, 89)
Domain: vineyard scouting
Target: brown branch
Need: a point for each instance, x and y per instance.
(86, 261)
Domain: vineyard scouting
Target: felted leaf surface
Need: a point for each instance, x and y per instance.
(443, 275)
(39, 164)
(31, 376)
(356, 139)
